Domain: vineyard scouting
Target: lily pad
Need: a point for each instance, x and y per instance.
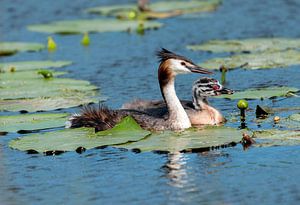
(33, 65)
(20, 86)
(70, 139)
(162, 9)
(49, 103)
(32, 121)
(187, 140)
(248, 45)
(277, 137)
(278, 59)
(91, 25)
(30, 91)
(259, 93)
(10, 48)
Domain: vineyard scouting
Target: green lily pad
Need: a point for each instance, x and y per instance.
(32, 121)
(92, 25)
(33, 65)
(187, 140)
(70, 139)
(49, 103)
(259, 93)
(277, 137)
(277, 59)
(30, 84)
(248, 45)
(30, 91)
(162, 9)
(10, 48)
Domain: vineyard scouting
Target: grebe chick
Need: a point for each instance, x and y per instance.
(198, 110)
(171, 64)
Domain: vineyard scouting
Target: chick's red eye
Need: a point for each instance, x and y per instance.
(216, 87)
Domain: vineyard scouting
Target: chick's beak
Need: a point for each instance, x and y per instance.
(226, 91)
(198, 69)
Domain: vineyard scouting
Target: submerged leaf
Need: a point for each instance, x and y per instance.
(258, 93)
(70, 139)
(248, 45)
(33, 65)
(277, 59)
(161, 9)
(91, 25)
(10, 48)
(31, 122)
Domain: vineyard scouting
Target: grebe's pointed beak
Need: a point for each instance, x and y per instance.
(197, 69)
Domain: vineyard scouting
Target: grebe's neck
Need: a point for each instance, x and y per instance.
(199, 102)
(177, 115)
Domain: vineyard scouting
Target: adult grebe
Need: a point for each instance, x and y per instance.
(171, 64)
(198, 110)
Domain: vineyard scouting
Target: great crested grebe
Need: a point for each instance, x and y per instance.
(171, 64)
(198, 110)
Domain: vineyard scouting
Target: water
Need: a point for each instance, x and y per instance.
(124, 67)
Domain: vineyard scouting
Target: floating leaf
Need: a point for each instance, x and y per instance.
(162, 9)
(21, 86)
(49, 103)
(258, 93)
(33, 65)
(278, 137)
(45, 94)
(256, 60)
(10, 48)
(32, 121)
(70, 139)
(248, 45)
(187, 140)
(92, 25)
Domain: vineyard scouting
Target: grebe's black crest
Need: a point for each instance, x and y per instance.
(165, 54)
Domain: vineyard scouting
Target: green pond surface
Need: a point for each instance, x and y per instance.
(124, 67)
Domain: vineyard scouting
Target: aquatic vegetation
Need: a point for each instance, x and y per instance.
(51, 45)
(33, 65)
(70, 139)
(129, 135)
(85, 39)
(31, 122)
(28, 90)
(258, 93)
(157, 10)
(91, 25)
(278, 59)
(250, 45)
(10, 48)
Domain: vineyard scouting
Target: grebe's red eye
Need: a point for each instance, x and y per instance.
(182, 63)
(216, 87)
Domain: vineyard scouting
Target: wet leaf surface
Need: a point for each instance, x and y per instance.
(30, 122)
(92, 25)
(248, 45)
(10, 48)
(162, 9)
(190, 139)
(279, 59)
(257, 93)
(277, 137)
(32, 65)
(70, 139)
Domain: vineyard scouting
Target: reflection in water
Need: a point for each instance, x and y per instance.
(176, 169)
